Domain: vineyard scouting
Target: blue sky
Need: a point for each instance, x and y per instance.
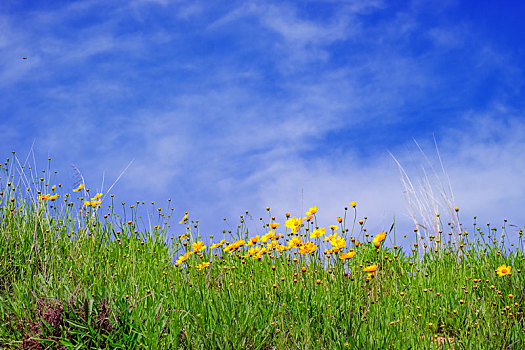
(228, 106)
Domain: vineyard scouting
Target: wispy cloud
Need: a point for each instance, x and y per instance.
(235, 107)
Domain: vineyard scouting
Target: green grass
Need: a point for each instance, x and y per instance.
(75, 276)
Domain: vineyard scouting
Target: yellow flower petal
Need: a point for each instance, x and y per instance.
(81, 186)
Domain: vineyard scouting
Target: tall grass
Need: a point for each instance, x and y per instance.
(79, 274)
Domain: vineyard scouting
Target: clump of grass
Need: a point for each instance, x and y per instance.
(79, 273)
(428, 199)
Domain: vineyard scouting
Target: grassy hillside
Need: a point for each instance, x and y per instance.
(78, 272)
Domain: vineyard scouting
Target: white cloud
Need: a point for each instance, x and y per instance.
(233, 133)
(299, 40)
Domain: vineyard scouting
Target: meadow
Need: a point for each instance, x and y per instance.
(80, 270)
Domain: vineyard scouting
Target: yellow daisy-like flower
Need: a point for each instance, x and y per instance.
(294, 224)
(295, 242)
(308, 247)
(98, 195)
(198, 246)
(234, 245)
(92, 203)
(318, 232)
(252, 251)
(182, 258)
(378, 239)
(330, 237)
(353, 204)
(217, 245)
(281, 248)
(260, 253)
(338, 243)
(267, 236)
(370, 268)
(347, 255)
(52, 198)
(334, 227)
(274, 225)
(81, 186)
(184, 218)
(255, 239)
(272, 244)
(44, 196)
(312, 210)
(203, 265)
(503, 270)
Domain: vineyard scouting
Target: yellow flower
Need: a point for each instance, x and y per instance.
(274, 225)
(370, 268)
(52, 198)
(254, 239)
(217, 245)
(308, 247)
(198, 246)
(347, 255)
(353, 204)
(260, 253)
(334, 227)
(281, 248)
(203, 265)
(294, 224)
(92, 203)
(318, 232)
(96, 197)
(330, 237)
(252, 251)
(268, 236)
(81, 186)
(295, 242)
(54, 187)
(234, 245)
(182, 258)
(379, 238)
(338, 243)
(503, 270)
(272, 244)
(184, 218)
(312, 210)
(44, 196)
